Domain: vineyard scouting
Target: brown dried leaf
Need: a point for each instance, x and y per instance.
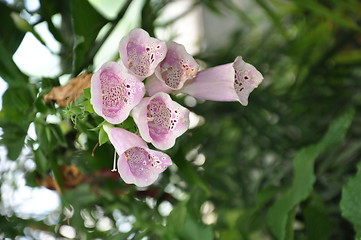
(72, 177)
(64, 95)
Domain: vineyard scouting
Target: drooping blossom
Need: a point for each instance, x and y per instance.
(160, 120)
(171, 74)
(141, 53)
(137, 164)
(114, 92)
(228, 82)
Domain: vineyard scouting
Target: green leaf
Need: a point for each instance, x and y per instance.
(351, 201)
(87, 93)
(13, 40)
(103, 137)
(318, 8)
(318, 226)
(42, 162)
(10, 40)
(177, 218)
(15, 117)
(87, 23)
(88, 106)
(193, 230)
(304, 178)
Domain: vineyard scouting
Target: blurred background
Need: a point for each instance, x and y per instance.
(284, 167)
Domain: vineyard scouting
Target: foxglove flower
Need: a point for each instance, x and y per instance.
(141, 53)
(160, 120)
(114, 92)
(137, 164)
(228, 82)
(177, 67)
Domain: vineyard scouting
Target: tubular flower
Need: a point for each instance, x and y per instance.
(137, 164)
(160, 120)
(228, 82)
(114, 92)
(141, 53)
(177, 67)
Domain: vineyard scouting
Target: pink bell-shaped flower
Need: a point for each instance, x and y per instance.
(160, 120)
(137, 164)
(114, 92)
(141, 53)
(228, 82)
(171, 74)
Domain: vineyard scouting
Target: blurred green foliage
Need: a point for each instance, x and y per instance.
(272, 169)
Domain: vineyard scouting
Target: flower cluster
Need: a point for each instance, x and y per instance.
(118, 91)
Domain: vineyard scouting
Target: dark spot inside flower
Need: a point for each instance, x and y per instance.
(128, 86)
(147, 49)
(245, 77)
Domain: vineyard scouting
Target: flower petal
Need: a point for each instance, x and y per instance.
(228, 82)
(142, 166)
(123, 139)
(247, 78)
(177, 67)
(137, 164)
(141, 53)
(114, 92)
(154, 85)
(160, 120)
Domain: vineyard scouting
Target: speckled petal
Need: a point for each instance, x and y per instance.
(160, 120)
(247, 78)
(228, 82)
(114, 92)
(177, 67)
(141, 53)
(142, 166)
(137, 164)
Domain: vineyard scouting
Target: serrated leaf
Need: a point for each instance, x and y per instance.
(304, 178)
(103, 137)
(351, 201)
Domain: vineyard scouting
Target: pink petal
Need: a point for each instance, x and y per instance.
(247, 78)
(228, 82)
(114, 92)
(142, 166)
(123, 139)
(154, 85)
(177, 67)
(137, 164)
(141, 53)
(161, 120)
